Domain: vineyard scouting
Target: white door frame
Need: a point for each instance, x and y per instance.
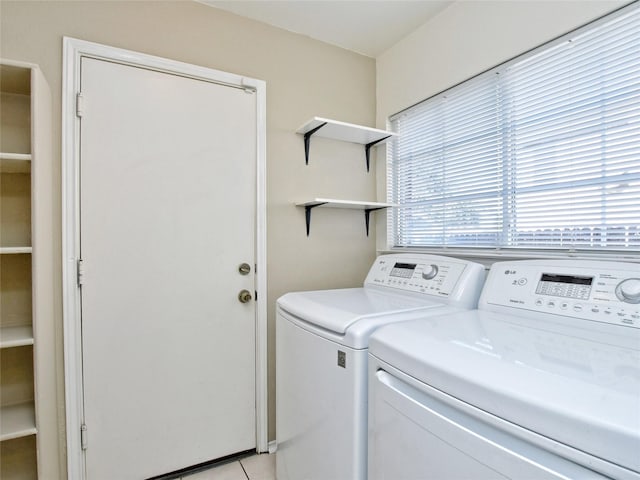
(73, 51)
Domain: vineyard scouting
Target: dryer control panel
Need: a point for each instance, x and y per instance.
(435, 275)
(606, 292)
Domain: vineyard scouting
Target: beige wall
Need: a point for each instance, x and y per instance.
(464, 40)
(304, 78)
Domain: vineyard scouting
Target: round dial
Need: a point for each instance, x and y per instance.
(429, 272)
(629, 290)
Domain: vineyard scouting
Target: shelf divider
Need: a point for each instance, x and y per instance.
(15, 162)
(15, 250)
(16, 336)
(17, 421)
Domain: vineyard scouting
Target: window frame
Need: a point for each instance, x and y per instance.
(502, 252)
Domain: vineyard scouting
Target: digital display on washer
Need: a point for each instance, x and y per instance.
(568, 286)
(551, 277)
(402, 270)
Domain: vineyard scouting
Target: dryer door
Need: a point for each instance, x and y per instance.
(416, 433)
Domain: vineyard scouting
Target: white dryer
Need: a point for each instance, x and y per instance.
(321, 357)
(542, 381)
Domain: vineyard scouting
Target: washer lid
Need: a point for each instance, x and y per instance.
(336, 310)
(576, 384)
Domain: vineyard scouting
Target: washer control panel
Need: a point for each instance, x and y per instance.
(606, 292)
(429, 274)
(569, 286)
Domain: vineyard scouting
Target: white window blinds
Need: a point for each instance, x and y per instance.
(541, 152)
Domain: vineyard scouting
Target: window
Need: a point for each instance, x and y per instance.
(542, 152)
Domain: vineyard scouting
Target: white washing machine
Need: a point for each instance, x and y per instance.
(542, 381)
(321, 357)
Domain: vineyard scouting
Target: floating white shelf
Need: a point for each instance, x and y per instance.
(15, 250)
(346, 132)
(15, 162)
(367, 207)
(350, 204)
(17, 421)
(16, 336)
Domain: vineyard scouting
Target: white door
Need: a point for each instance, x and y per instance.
(167, 214)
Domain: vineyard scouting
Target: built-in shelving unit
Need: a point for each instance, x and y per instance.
(17, 408)
(24, 112)
(366, 207)
(346, 132)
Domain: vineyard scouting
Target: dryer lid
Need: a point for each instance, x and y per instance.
(577, 384)
(336, 310)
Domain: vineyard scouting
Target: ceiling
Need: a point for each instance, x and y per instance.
(368, 27)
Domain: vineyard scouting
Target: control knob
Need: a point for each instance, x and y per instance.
(430, 272)
(629, 290)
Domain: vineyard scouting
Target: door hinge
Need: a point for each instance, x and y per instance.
(80, 272)
(83, 436)
(79, 104)
(248, 85)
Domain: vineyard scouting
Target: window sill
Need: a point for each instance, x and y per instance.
(489, 256)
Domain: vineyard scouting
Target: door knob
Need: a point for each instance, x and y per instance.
(244, 269)
(244, 296)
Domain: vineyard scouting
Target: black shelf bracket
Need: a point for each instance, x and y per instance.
(307, 141)
(367, 149)
(367, 213)
(307, 214)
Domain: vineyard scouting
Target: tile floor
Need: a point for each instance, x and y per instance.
(255, 467)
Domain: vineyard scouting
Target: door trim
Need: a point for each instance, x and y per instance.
(73, 51)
